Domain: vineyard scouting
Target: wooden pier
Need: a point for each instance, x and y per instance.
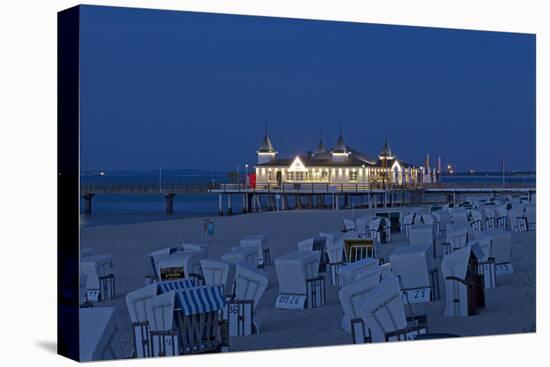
(310, 195)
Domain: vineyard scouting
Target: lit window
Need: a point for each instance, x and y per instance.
(353, 176)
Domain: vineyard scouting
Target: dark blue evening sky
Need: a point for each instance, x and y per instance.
(191, 90)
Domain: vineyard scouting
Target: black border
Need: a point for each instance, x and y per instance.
(68, 85)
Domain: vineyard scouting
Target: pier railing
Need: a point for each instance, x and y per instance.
(299, 188)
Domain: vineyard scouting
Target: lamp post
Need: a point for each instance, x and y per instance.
(246, 176)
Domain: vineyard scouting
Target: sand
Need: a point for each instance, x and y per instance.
(510, 308)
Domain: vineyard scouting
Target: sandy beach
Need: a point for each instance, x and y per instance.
(510, 307)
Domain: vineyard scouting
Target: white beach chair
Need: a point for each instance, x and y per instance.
(383, 313)
(306, 245)
(459, 216)
(530, 215)
(362, 225)
(349, 225)
(352, 295)
(242, 255)
(408, 220)
(250, 285)
(155, 255)
(219, 272)
(502, 221)
(476, 220)
(299, 282)
(100, 282)
(463, 284)
(259, 242)
(490, 218)
(135, 303)
(380, 230)
(418, 278)
(335, 253)
(99, 335)
(160, 314)
(437, 223)
(458, 235)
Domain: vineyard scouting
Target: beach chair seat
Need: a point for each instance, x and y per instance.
(99, 337)
(465, 292)
(299, 282)
(260, 242)
(100, 282)
(356, 249)
(219, 272)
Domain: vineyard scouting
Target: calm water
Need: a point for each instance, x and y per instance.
(116, 209)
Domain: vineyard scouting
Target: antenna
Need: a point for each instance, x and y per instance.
(341, 126)
(266, 126)
(160, 179)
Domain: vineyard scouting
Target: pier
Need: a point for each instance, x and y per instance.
(265, 197)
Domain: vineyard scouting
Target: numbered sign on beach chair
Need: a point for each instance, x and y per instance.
(250, 285)
(99, 335)
(219, 272)
(497, 244)
(259, 242)
(464, 290)
(299, 282)
(358, 249)
(181, 264)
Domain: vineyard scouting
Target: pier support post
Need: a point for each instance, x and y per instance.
(229, 209)
(220, 205)
(169, 202)
(88, 203)
(368, 200)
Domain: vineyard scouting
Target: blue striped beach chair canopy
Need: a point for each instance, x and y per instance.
(174, 285)
(201, 299)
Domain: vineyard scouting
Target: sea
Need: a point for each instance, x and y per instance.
(118, 209)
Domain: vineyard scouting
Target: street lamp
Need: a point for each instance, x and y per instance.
(246, 176)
